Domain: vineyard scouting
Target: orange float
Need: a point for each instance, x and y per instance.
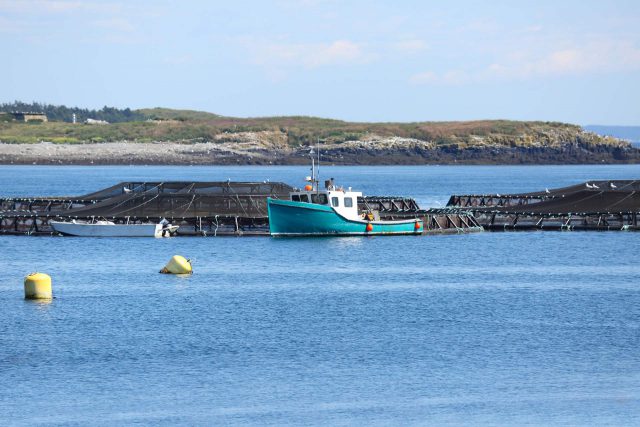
(417, 226)
(369, 227)
(308, 187)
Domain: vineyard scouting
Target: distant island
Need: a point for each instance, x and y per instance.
(48, 134)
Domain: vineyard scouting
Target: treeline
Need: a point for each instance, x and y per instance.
(62, 113)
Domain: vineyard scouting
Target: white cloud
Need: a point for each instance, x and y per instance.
(178, 60)
(597, 57)
(594, 57)
(10, 25)
(482, 26)
(533, 29)
(282, 53)
(309, 55)
(38, 20)
(116, 24)
(303, 3)
(338, 52)
(39, 7)
(426, 77)
(409, 46)
(449, 78)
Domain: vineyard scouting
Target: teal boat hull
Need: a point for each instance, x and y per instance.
(289, 218)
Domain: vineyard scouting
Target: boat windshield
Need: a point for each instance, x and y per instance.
(300, 198)
(319, 199)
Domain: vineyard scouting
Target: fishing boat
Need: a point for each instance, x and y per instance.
(332, 211)
(101, 228)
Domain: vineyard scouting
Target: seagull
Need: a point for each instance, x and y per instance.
(612, 185)
(546, 190)
(126, 190)
(589, 185)
(594, 186)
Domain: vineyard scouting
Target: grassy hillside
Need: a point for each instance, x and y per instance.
(181, 115)
(187, 126)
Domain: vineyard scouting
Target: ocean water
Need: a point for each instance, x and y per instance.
(515, 328)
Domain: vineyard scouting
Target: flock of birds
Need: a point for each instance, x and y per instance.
(589, 186)
(593, 186)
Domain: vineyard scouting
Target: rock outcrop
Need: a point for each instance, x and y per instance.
(459, 142)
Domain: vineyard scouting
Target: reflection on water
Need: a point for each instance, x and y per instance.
(351, 242)
(41, 304)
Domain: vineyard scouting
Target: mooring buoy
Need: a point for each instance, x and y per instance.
(178, 265)
(37, 286)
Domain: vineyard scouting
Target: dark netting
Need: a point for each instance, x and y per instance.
(599, 185)
(180, 199)
(617, 196)
(212, 188)
(583, 202)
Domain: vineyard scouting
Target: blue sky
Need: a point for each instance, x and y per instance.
(571, 61)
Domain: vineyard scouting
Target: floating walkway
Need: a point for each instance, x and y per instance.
(199, 208)
(593, 205)
(444, 220)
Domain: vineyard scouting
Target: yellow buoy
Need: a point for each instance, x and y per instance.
(177, 265)
(37, 286)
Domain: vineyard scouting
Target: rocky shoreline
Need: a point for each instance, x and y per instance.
(409, 152)
(216, 140)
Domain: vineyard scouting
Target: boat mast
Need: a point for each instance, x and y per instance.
(313, 168)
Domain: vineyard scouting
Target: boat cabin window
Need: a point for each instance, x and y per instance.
(335, 202)
(348, 202)
(295, 197)
(304, 198)
(319, 199)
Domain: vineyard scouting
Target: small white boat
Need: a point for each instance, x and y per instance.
(111, 229)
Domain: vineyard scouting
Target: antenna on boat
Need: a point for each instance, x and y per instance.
(318, 167)
(313, 167)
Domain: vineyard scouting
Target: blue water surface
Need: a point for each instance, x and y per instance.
(515, 328)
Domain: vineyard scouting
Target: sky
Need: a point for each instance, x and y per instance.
(561, 60)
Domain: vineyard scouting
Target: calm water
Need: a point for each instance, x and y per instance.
(535, 328)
